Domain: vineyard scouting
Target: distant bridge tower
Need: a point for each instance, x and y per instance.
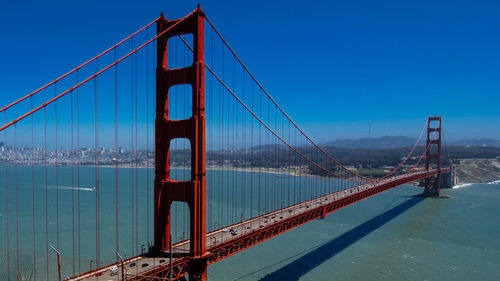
(433, 155)
(167, 190)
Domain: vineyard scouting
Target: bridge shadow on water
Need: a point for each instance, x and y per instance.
(320, 254)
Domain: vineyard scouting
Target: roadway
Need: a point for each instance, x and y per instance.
(138, 267)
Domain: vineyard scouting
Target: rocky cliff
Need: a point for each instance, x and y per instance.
(477, 170)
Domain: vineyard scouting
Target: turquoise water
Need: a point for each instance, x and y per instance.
(391, 236)
(58, 221)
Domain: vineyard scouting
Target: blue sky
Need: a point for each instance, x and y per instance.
(334, 66)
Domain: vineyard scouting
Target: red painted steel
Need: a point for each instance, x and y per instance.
(192, 192)
(243, 242)
(433, 157)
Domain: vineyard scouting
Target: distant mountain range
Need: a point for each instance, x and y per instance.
(372, 143)
(401, 141)
(478, 142)
(267, 147)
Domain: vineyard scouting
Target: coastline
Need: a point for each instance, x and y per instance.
(284, 171)
(469, 171)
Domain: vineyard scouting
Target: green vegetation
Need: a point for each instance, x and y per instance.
(370, 162)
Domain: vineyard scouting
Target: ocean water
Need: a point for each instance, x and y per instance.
(45, 212)
(391, 236)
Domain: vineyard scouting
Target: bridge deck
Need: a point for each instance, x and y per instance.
(222, 243)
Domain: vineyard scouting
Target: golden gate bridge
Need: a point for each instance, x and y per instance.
(231, 167)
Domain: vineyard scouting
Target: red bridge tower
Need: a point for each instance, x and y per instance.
(166, 190)
(433, 155)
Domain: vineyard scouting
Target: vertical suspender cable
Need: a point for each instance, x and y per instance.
(220, 213)
(297, 169)
(185, 171)
(252, 162)
(289, 164)
(223, 184)
(260, 155)
(132, 230)
(311, 188)
(322, 182)
(234, 124)
(315, 183)
(96, 145)
(56, 168)
(33, 191)
(17, 199)
(303, 182)
(117, 214)
(46, 191)
(72, 185)
(283, 165)
(147, 140)
(273, 158)
(78, 170)
(136, 159)
(276, 159)
(266, 168)
(229, 174)
(154, 154)
(243, 149)
(210, 141)
(268, 161)
(174, 145)
(6, 200)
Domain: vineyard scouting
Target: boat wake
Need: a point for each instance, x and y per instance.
(469, 184)
(71, 188)
(462, 185)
